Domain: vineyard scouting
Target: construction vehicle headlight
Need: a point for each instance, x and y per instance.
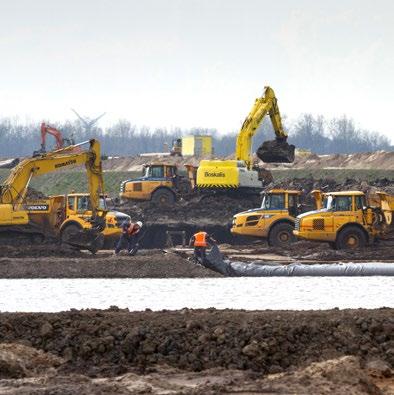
(267, 216)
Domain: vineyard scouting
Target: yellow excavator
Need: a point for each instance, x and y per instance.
(240, 174)
(16, 212)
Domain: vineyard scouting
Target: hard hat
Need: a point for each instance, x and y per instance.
(139, 223)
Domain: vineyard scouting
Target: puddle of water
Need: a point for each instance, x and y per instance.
(296, 293)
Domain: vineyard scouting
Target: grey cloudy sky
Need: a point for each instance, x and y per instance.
(197, 62)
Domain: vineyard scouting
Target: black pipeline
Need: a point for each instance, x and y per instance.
(228, 268)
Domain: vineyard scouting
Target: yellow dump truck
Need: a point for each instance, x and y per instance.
(160, 183)
(273, 221)
(63, 215)
(348, 220)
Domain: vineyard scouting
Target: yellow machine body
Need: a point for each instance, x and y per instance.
(160, 182)
(57, 212)
(155, 176)
(279, 206)
(347, 219)
(226, 174)
(16, 212)
(240, 173)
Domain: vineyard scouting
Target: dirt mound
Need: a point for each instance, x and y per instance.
(364, 160)
(339, 376)
(212, 210)
(18, 360)
(40, 250)
(197, 352)
(156, 264)
(303, 159)
(306, 185)
(103, 342)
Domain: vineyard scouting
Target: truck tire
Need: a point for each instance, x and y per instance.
(163, 197)
(281, 235)
(68, 232)
(184, 187)
(351, 238)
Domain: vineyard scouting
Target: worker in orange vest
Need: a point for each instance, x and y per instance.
(200, 242)
(130, 236)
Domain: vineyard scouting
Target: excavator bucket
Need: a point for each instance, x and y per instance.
(276, 151)
(88, 239)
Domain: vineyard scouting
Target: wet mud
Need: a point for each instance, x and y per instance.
(45, 261)
(197, 352)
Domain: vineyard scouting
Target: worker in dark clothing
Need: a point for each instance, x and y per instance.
(130, 236)
(200, 242)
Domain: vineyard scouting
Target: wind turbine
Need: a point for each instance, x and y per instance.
(87, 122)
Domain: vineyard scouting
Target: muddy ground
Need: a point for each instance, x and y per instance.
(211, 213)
(75, 264)
(54, 262)
(197, 352)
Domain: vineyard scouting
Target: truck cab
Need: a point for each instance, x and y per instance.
(273, 221)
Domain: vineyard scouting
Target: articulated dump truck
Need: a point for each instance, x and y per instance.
(64, 216)
(348, 219)
(275, 219)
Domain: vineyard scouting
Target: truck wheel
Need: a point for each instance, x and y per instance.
(163, 197)
(281, 235)
(351, 238)
(184, 187)
(69, 232)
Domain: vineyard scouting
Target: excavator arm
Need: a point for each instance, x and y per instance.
(266, 104)
(46, 129)
(14, 189)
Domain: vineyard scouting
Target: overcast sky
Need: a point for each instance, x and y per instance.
(197, 62)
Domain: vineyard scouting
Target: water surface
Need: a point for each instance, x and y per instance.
(296, 293)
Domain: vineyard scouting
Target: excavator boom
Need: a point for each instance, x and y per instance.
(266, 104)
(277, 150)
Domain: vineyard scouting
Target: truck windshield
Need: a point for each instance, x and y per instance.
(338, 203)
(273, 201)
(83, 203)
(154, 171)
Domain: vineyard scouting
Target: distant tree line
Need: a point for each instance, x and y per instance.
(338, 135)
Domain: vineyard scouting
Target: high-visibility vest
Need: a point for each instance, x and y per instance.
(131, 230)
(200, 239)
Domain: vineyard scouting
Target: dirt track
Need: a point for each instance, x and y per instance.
(198, 351)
